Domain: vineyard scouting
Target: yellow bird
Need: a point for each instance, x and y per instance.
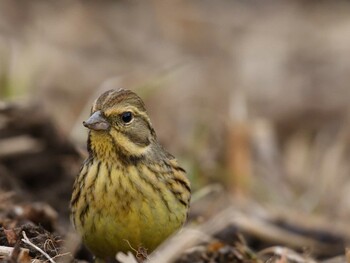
(130, 194)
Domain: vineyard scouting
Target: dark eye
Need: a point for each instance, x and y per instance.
(126, 117)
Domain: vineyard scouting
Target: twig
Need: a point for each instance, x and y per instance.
(127, 241)
(26, 240)
(140, 252)
(5, 251)
(63, 255)
(8, 251)
(126, 258)
(287, 253)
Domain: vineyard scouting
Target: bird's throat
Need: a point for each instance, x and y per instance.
(101, 146)
(114, 147)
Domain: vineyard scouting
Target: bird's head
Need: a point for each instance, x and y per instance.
(119, 123)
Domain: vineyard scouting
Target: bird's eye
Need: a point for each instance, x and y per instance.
(126, 117)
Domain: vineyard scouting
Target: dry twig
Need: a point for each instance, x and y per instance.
(7, 252)
(26, 240)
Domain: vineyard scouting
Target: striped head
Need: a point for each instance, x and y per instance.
(119, 125)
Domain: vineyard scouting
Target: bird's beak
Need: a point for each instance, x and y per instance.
(97, 122)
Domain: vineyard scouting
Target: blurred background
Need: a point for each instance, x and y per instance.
(251, 95)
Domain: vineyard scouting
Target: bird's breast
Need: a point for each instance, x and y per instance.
(126, 206)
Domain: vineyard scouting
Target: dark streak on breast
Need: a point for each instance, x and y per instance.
(83, 213)
(183, 183)
(77, 186)
(155, 188)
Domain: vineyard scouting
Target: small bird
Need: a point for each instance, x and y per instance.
(130, 194)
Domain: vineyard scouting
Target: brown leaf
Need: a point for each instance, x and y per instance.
(24, 257)
(11, 236)
(215, 246)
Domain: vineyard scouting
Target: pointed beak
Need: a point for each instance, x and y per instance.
(97, 122)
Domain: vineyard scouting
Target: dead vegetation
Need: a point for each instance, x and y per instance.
(253, 98)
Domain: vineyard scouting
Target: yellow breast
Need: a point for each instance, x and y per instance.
(121, 208)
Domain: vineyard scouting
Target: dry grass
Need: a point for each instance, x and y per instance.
(287, 61)
(253, 96)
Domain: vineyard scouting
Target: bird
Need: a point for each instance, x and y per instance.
(130, 193)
